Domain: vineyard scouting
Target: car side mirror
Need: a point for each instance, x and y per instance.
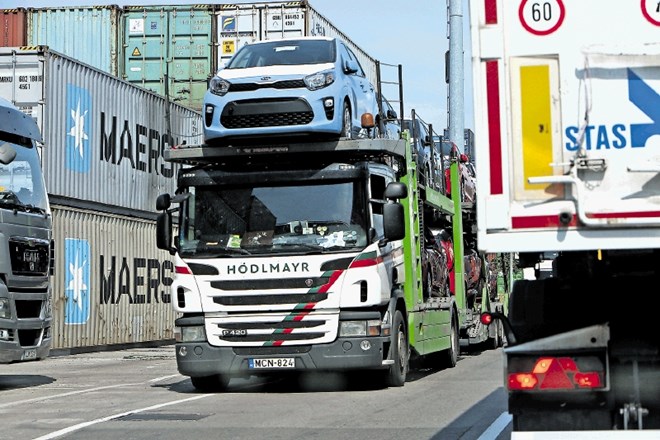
(350, 67)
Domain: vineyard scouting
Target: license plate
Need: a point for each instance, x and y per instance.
(272, 363)
(29, 354)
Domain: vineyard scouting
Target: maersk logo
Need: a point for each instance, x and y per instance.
(76, 289)
(619, 136)
(78, 104)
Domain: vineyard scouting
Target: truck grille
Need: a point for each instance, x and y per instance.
(29, 256)
(296, 328)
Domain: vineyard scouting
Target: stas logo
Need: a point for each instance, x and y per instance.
(619, 136)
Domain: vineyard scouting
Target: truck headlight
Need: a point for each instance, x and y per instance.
(5, 310)
(319, 80)
(219, 86)
(359, 328)
(194, 333)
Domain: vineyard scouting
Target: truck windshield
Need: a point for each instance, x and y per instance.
(21, 181)
(273, 220)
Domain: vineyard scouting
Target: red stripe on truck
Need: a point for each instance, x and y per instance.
(494, 133)
(490, 9)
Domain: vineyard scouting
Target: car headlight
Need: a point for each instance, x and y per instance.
(359, 328)
(193, 333)
(319, 80)
(5, 310)
(219, 86)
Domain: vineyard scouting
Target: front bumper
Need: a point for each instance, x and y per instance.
(197, 359)
(13, 352)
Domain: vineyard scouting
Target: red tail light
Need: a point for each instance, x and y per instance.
(556, 373)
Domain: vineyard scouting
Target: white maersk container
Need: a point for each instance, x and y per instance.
(103, 137)
(102, 157)
(240, 24)
(567, 124)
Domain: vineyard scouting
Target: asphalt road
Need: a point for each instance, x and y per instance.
(138, 394)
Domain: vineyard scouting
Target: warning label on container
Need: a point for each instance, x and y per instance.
(136, 26)
(228, 47)
(136, 52)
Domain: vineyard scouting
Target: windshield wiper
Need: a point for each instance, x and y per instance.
(222, 252)
(9, 200)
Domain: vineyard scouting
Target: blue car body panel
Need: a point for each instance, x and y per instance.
(273, 100)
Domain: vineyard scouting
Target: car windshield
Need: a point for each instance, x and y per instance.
(284, 52)
(273, 220)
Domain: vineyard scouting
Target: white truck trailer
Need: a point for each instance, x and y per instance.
(567, 124)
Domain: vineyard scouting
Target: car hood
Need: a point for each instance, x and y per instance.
(258, 73)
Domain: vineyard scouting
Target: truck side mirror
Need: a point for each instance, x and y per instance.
(164, 232)
(163, 202)
(394, 224)
(7, 153)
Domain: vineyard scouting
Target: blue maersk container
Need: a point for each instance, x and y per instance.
(88, 34)
(173, 42)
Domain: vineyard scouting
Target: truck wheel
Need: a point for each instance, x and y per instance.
(496, 341)
(347, 122)
(217, 382)
(396, 376)
(449, 357)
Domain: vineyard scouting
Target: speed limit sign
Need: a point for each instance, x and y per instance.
(541, 17)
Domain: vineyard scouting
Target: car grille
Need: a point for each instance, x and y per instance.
(249, 87)
(271, 120)
(266, 113)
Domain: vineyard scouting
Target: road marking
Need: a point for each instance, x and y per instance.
(86, 390)
(73, 428)
(71, 393)
(496, 427)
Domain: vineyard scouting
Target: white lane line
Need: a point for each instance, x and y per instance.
(86, 390)
(496, 427)
(73, 428)
(71, 393)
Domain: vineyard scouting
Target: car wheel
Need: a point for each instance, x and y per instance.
(347, 122)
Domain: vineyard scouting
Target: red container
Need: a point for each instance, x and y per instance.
(13, 27)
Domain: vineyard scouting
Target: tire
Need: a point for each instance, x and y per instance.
(215, 383)
(496, 341)
(347, 122)
(449, 357)
(398, 371)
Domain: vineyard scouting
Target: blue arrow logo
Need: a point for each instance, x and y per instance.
(648, 101)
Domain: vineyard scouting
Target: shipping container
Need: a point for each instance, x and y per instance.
(111, 284)
(13, 28)
(88, 34)
(104, 137)
(240, 24)
(173, 42)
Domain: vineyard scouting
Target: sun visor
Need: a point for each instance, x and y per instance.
(16, 122)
